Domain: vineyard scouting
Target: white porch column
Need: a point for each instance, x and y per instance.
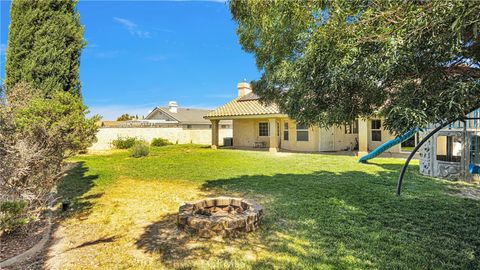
(272, 123)
(214, 133)
(362, 137)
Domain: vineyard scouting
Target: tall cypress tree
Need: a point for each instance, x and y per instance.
(44, 45)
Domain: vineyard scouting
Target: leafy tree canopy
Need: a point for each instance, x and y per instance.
(329, 62)
(45, 40)
(126, 117)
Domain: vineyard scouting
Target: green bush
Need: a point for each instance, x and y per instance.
(139, 149)
(124, 143)
(160, 142)
(36, 135)
(13, 215)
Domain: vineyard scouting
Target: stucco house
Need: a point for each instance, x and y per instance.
(265, 126)
(177, 124)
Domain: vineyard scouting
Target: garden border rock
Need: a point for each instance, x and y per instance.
(37, 247)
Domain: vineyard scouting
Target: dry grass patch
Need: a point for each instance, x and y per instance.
(106, 237)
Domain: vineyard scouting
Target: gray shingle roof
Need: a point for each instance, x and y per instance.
(188, 115)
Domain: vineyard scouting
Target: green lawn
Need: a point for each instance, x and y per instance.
(321, 212)
(407, 148)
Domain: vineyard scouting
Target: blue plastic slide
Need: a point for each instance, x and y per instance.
(385, 146)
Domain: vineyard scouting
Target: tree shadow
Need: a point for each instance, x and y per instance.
(75, 183)
(172, 244)
(351, 219)
(183, 250)
(96, 242)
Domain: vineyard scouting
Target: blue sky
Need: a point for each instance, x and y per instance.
(142, 54)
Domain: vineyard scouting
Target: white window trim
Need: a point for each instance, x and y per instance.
(352, 126)
(268, 129)
(303, 129)
(376, 129)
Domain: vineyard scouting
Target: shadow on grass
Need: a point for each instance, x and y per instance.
(100, 240)
(165, 238)
(73, 186)
(351, 219)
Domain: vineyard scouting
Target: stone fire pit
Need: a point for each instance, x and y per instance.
(223, 216)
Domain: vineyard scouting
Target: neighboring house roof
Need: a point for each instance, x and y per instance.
(244, 106)
(184, 115)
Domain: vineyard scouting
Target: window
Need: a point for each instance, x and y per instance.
(352, 128)
(263, 129)
(376, 124)
(224, 126)
(302, 133)
(189, 126)
(449, 148)
(285, 131)
(348, 129)
(376, 130)
(376, 135)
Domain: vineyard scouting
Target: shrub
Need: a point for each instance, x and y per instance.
(13, 215)
(160, 142)
(139, 149)
(36, 135)
(124, 143)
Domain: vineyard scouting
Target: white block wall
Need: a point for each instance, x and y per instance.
(174, 134)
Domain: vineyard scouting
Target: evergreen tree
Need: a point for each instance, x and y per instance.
(44, 45)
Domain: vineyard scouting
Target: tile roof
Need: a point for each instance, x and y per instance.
(244, 106)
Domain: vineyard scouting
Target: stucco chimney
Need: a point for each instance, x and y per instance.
(172, 106)
(244, 88)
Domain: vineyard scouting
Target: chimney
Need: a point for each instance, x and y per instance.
(244, 88)
(172, 106)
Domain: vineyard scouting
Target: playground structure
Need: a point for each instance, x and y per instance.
(448, 150)
(453, 151)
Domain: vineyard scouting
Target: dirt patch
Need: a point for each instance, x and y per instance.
(20, 241)
(114, 223)
(468, 192)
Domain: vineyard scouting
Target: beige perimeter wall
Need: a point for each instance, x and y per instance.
(174, 134)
